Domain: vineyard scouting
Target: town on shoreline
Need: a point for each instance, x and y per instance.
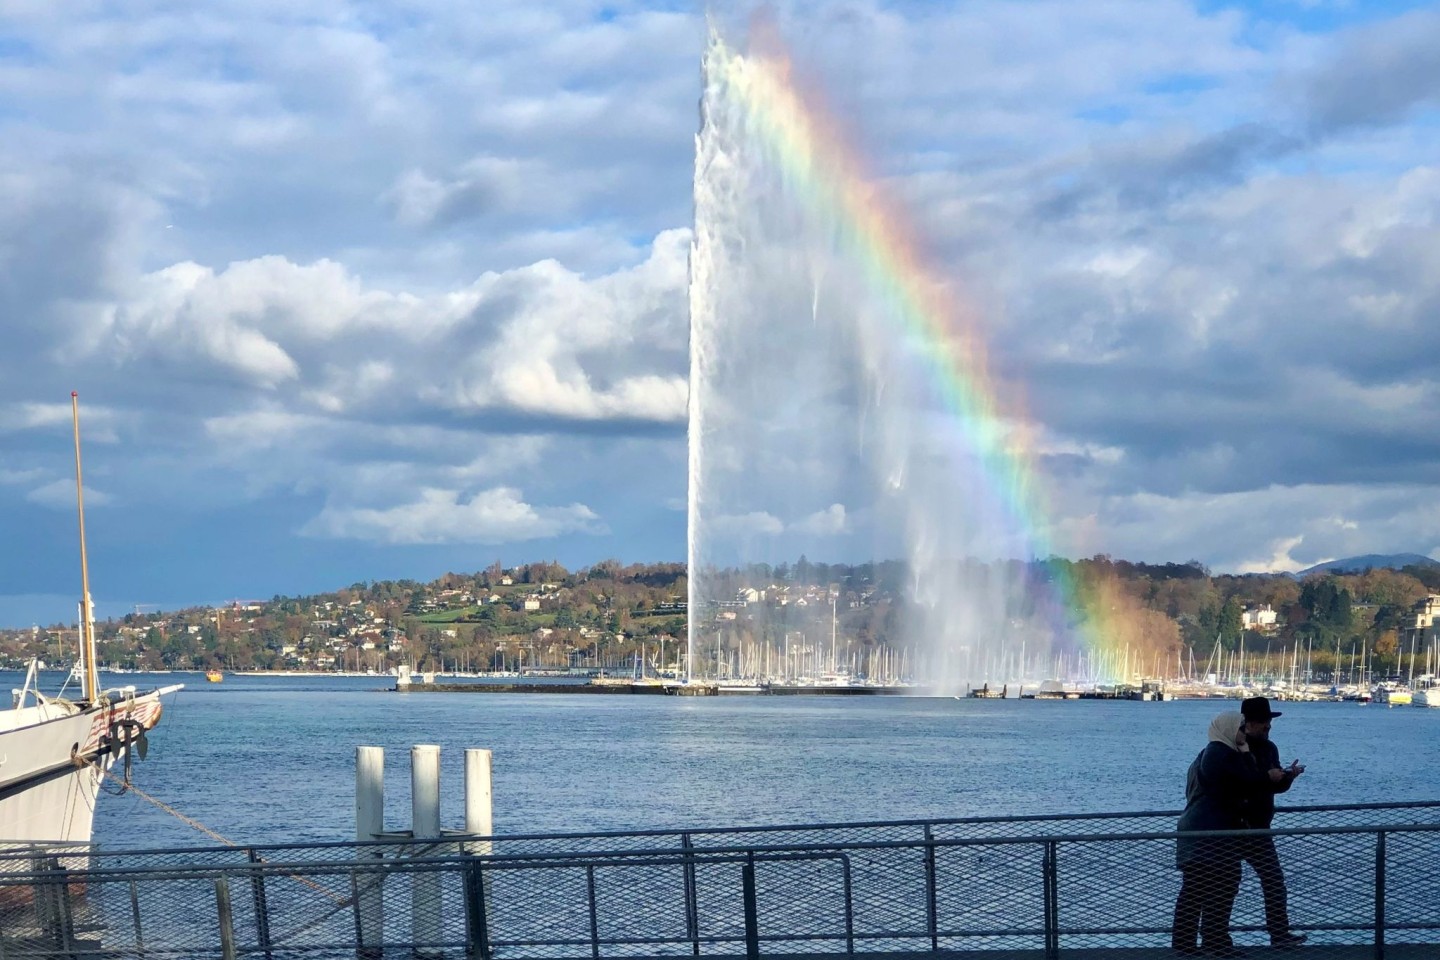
(788, 620)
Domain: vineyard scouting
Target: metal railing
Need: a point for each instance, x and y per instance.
(1363, 881)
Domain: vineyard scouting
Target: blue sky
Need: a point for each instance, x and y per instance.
(374, 290)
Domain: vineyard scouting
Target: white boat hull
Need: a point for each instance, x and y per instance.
(1429, 697)
(51, 757)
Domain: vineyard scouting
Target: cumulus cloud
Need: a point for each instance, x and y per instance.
(25, 416)
(448, 253)
(540, 340)
(1298, 526)
(99, 422)
(60, 495)
(498, 515)
(1280, 559)
(756, 524)
(1376, 74)
(828, 522)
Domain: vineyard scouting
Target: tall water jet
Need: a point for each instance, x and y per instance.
(842, 406)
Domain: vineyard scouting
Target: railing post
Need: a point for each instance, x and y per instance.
(1380, 895)
(477, 928)
(1052, 900)
(594, 912)
(692, 907)
(931, 909)
(752, 917)
(222, 912)
(135, 918)
(262, 905)
(53, 903)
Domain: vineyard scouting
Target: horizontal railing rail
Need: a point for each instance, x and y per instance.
(1355, 889)
(1364, 814)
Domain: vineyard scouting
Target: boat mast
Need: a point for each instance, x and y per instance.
(87, 609)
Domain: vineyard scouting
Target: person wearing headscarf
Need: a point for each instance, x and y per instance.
(1218, 789)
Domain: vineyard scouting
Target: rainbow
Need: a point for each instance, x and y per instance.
(828, 176)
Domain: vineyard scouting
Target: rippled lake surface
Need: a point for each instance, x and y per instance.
(271, 759)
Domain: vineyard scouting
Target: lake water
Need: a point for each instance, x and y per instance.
(271, 759)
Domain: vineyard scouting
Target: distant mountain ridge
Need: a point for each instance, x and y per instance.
(1371, 561)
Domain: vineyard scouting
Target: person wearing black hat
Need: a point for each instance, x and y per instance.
(1259, 852)
(1218, 788)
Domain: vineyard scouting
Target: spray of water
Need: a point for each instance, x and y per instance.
(816, 427)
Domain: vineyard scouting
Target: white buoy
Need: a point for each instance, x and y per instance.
(425, 814)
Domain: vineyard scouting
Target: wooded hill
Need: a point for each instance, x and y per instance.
(543, 615)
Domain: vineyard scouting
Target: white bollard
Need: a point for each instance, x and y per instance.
(425, 813)
(425, 790)
(479, 814)
(369, 823)
(479, 803)
(369, 792)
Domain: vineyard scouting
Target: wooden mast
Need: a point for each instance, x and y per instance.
(87, 610)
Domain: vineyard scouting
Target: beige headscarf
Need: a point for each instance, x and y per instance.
(1225, 728)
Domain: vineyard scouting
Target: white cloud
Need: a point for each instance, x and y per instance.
(539, 340)
(60, 495)
(25, 416)
(97, 423)
(758, 523)
(1280, 559)
(20, 476)
(446, 251)
(498, 515)
(832, 521)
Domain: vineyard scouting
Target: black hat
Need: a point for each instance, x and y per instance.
(1257, 710)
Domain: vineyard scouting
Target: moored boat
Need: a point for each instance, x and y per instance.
(55, 751)
(1393, 694)
(1427, 692)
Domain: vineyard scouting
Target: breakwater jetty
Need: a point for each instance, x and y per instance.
(407, 684)
(666, 689)
(521, 686)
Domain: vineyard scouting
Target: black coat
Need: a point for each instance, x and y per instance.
(1266, 756)
(1219, 792)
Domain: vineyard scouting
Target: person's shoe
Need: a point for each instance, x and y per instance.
(1288, 941)
(1191, 951)
(1228, 953)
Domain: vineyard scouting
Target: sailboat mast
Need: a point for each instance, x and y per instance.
(87, 609)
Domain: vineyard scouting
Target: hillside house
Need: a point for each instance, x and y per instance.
(1422, 629)
(1261, 618)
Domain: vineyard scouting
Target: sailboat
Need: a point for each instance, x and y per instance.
(55, 751)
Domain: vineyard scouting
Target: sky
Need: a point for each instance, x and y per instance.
(356, 291)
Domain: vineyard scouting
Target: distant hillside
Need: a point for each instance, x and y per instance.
(1371, 561)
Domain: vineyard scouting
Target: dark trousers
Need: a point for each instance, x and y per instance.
(1260, 854)
(1211, 879)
